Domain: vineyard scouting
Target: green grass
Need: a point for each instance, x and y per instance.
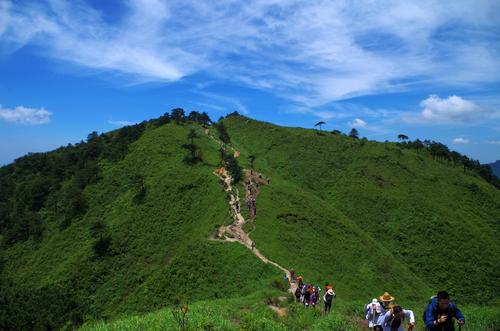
(159, 246)
(369, 217)
(250, 313)
(253, 313)
(372, 217)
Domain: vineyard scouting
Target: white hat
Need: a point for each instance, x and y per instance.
(330, 291)
(374, 301)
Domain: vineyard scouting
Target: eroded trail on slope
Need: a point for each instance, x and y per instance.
(234, 232)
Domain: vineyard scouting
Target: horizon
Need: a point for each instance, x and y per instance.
(423, 69)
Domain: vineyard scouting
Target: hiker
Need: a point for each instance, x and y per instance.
(385, 301)
(314, 297)
(327, 299)
(300, 282)
(374, 315)
(237, 207)
(394, 318)
(292, 276)
(440, 313)
(297, 294)
(304, 294)
(318, 290)
(253, 245)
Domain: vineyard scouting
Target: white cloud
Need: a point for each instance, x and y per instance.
(460, 141)
(494, 142)
(25, 115)
(311, 52)
(121, 123)
(357, 123)
(453, 109)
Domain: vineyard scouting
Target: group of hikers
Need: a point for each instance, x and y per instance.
(309, 294)
(252, 182)
(383, 315)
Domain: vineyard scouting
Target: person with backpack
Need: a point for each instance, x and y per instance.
(440, 313)
(314, 297)
(394, 318)
(374, 315)
(328, 299)
(307, 295)
(303, 291)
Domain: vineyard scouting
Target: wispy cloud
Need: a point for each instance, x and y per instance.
(221, 102)
(311, 53)
(460, 141)
(25, 115)
(121, 123)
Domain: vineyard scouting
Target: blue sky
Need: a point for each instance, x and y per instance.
(428, 69)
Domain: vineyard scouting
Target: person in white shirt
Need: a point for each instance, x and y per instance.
(374, 315)
(394, 318)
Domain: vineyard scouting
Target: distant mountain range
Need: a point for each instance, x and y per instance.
(495, 166)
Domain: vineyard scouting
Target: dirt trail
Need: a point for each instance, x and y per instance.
(234, 232)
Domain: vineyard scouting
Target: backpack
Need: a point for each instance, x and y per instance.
(328, 298)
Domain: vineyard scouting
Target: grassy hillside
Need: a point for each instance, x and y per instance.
(372, 215)
(251, 313)
(157, 241)
(119, 226)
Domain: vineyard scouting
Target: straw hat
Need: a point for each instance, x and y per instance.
(386, 297)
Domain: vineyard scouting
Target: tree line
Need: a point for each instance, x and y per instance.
(56, 180)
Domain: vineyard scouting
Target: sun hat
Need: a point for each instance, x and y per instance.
(386, 297)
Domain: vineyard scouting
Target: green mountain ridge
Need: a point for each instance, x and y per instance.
(124, 226)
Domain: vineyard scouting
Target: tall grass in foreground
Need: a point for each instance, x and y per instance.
(252, 313)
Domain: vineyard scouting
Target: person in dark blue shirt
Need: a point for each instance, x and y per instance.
(440, 313)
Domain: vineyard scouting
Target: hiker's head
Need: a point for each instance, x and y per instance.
(443, 300)
(397, 311)
(386, 298)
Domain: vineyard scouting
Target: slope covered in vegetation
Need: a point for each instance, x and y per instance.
(119, 225)
(439, 223)
(136, 239)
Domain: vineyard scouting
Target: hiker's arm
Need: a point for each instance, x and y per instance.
(387, 316)
(409, 314)
(458, 315)
(429, 318)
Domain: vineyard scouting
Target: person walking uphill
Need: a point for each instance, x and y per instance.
(385, 301)
(440, 313)
(374, 315)
(394, 318)
(327, 299)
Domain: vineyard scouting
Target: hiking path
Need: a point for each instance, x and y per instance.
(234, 232)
